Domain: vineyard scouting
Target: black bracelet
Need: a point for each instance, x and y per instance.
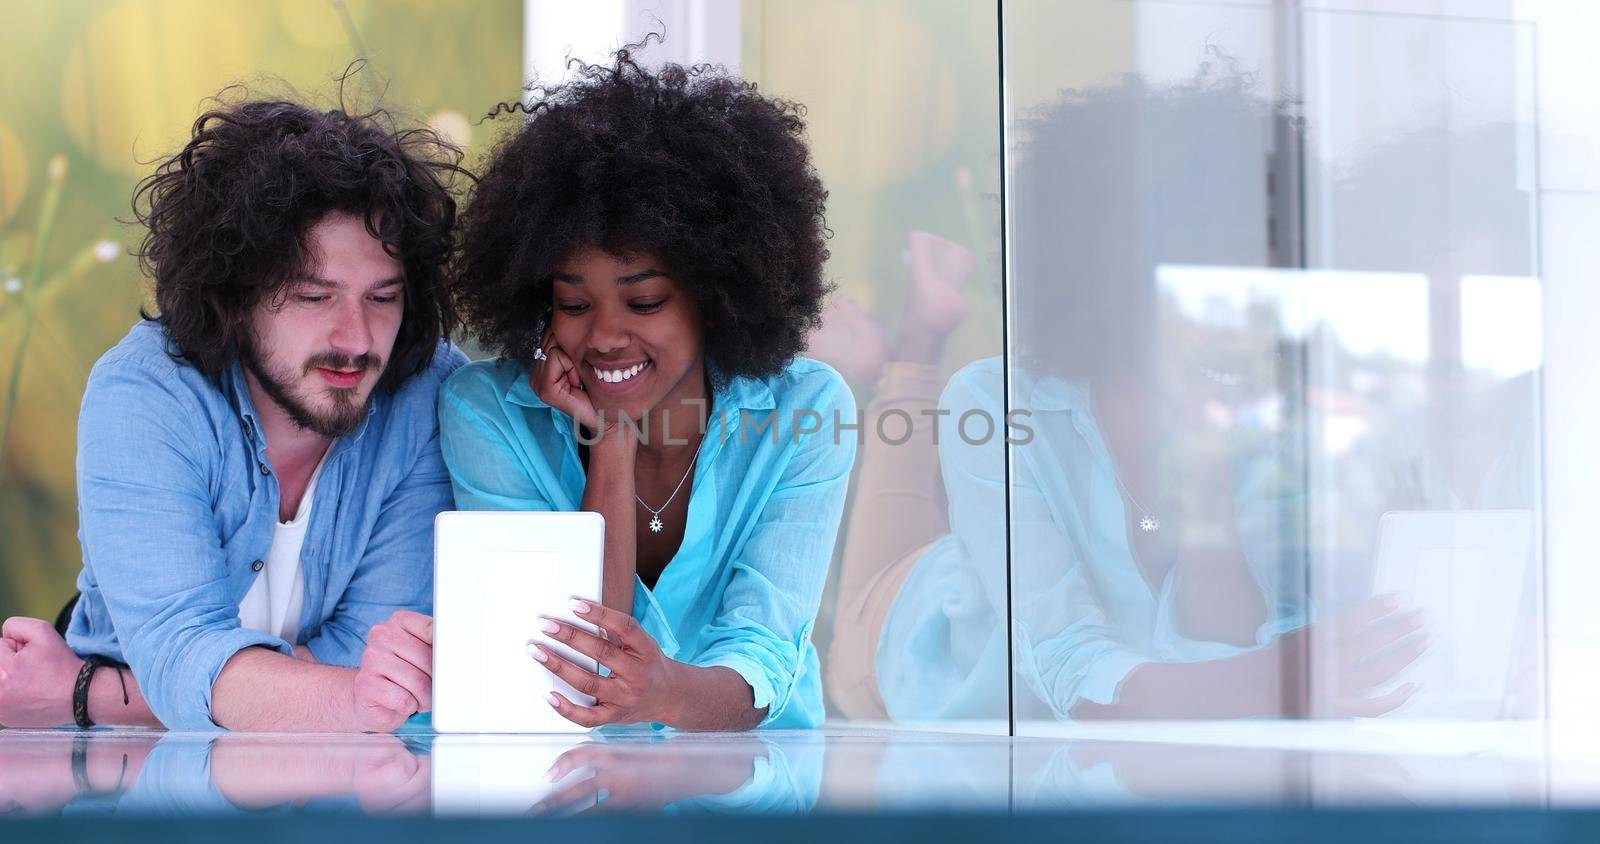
(80, 769)
(122, 679)
(80, 690)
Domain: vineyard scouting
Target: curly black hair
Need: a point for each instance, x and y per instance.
(1110, 182)
(688, 165)
(227, 216)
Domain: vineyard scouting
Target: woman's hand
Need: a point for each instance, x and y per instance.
(642, 682)
(1371, 646)
(630, 777)
(555, 381)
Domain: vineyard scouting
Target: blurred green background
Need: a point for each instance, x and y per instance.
(91, 91)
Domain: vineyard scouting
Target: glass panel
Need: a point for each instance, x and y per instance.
(1424, 352)
(1274, 334)
(903, 118)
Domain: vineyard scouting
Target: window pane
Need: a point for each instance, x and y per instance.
(1275, 326)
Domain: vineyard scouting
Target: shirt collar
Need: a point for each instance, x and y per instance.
(1049, 392)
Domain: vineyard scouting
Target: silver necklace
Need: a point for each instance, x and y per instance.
(655, 512)
(1147, 522)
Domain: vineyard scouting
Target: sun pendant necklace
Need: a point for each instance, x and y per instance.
(1147, 521)
(655, 512)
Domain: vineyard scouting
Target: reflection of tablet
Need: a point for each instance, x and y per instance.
(495, 574)
(480, 776)
(1468, 573)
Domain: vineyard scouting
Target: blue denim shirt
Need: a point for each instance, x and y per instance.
(176, 502)
(764, 508)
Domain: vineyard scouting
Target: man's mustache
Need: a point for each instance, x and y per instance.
(334, 360)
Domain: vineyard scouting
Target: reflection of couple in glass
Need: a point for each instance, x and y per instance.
(1157, 517)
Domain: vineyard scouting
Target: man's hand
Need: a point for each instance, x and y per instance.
(37, 671)
(395, 680)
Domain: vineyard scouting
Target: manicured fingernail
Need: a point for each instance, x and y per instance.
(537, 652)
(581, 607)
(551, 699)
(549, 626)
(550, 775)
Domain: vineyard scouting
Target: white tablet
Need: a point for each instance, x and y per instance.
(1469, 572)
(495, 574)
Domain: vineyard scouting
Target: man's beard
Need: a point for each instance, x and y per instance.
(341, 417)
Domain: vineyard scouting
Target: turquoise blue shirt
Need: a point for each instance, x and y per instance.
(1083, 614)
(764, 508)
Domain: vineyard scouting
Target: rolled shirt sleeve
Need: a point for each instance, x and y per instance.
(150, 538)
(763, 624)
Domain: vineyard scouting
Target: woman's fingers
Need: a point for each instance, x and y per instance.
(569, 370)
(583, 792)
(1386, 665)
(1365, 613)
(555, 379)
(582, 756)
(604, 651)
(1363, 707)
(623, 626)
(583, 716)
(586, 682)
(1381, 634)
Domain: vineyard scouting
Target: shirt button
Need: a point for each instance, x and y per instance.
(257, 565)
(264, 469)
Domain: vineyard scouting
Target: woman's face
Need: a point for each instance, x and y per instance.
(633, 332)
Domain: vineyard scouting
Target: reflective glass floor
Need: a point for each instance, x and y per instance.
(856, 770)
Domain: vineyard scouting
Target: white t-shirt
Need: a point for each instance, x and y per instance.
(275, 600)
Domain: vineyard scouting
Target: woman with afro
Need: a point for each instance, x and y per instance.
(645, 256)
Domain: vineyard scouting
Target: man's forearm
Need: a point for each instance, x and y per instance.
(252, 775)
(106, 704)
(118, 701)
(264, 691)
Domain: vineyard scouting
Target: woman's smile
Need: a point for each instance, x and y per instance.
(615, 379)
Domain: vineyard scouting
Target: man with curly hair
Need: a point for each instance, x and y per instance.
(258, 465)
(646, 255)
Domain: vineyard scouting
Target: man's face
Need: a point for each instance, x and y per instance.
(318, 349)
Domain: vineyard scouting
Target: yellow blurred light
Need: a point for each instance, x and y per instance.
(137, 77)
(453, 126)
(878, 117)
(13, 172)
(315, 23)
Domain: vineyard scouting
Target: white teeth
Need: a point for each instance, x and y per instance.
(613, 376)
